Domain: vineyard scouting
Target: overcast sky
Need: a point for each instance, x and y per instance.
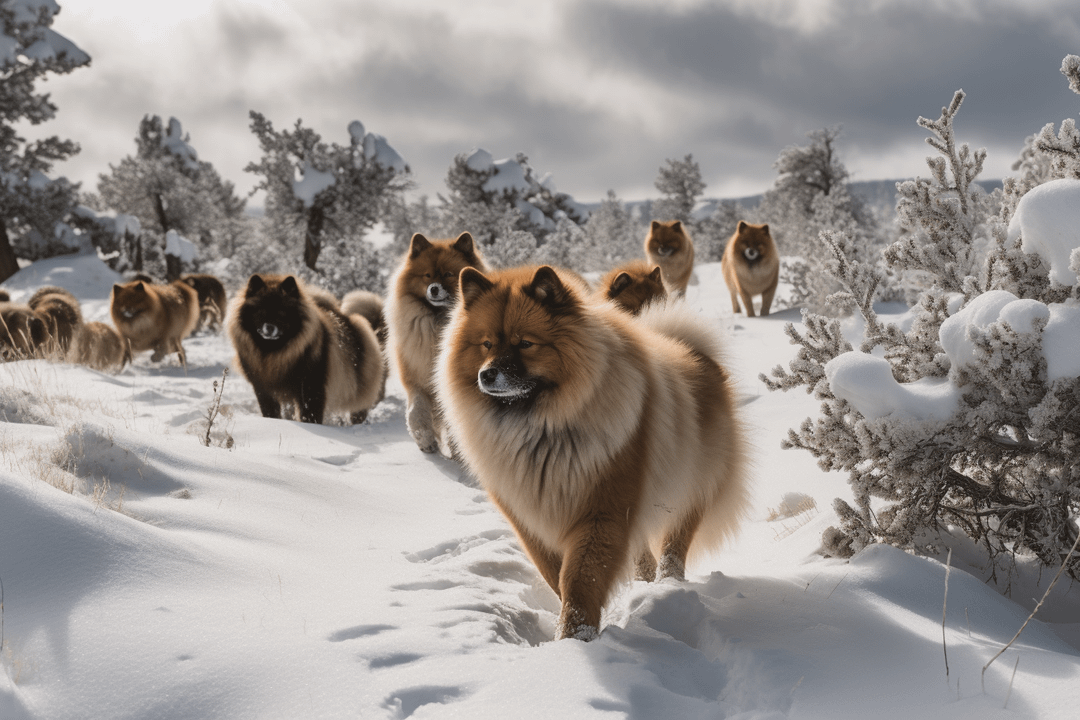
(596, 92)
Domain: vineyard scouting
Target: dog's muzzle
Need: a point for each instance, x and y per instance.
(437, 295)
(665, 250)
(269, 331)
(495, 382)
(129, 313)
(751, 254)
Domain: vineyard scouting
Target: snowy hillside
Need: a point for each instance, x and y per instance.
(337, 572)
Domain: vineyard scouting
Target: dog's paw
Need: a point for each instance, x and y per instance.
(426, 441)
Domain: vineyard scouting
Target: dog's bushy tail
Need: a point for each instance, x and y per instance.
(681, 323)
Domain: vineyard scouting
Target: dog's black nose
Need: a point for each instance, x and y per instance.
(488, 375)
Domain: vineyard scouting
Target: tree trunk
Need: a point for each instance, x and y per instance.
(313, 237)
(9, 265)
(159, 208)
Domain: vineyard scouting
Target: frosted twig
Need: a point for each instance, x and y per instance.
(1009, 693)
(836, 586)
(982, 677)
(215, 406)
(944, 603)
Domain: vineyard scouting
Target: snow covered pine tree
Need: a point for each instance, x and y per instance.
(969, 418)
(32, 206)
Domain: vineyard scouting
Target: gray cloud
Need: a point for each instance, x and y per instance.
(599, 94)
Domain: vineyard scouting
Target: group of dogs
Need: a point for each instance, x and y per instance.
(601, 421)
(50, 324)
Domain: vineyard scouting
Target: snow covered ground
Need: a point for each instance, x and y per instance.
(337, 572)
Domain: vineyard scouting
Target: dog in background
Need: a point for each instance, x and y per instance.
(751, 266)
(23, 333)
(100, 347)
(60, 312)
(155, 317)
(423, 290)
(295, 351)
(669, 246)
(212, 300)
(633, 285)
(609, 442)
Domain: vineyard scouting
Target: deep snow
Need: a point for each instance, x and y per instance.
(325, 571)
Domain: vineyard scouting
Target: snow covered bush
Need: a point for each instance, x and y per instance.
(968, 417)
(31, 204)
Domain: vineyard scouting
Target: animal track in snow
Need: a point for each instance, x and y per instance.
(404, 703)
(358, 632)
(453, 548)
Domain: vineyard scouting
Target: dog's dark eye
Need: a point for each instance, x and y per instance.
(427, 276)
(487, 344)
(448, 274)
(524, 344)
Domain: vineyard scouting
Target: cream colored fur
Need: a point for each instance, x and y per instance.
(634, 383)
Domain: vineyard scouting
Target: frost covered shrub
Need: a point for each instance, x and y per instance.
(968, 417)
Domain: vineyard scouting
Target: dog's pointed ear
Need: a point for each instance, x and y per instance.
(290, 287)
(742, 226)
(677, 225)
(464, 244)
(139, 287)
(654, 226)
(620, 283)
(255, 284)
(117, 288)
(418, 244)
(547, 289)
(765, 227)
(473, 284)
(655, 275)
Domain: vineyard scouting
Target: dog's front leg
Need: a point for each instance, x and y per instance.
(595, 555)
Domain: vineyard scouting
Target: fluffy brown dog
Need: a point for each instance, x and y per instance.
(295, 351)
(633, 285)
(155, 317)
(423, 291)
(60, 312)
(23, 333)
(604, 439)
(751, 266)
(212, 299)
(99, 346)
(668, 246)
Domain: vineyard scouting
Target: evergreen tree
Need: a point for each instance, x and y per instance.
(810, 195)
(492, 198)
(611, 237)
(167, 187)
(319, 193)
(681, 185)
(31, 205)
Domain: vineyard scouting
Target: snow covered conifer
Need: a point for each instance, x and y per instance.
(612, 237)
(319, 193)
(809, 196)
(167, 187)
(966, 419)
(31, 205)
(487, 195)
